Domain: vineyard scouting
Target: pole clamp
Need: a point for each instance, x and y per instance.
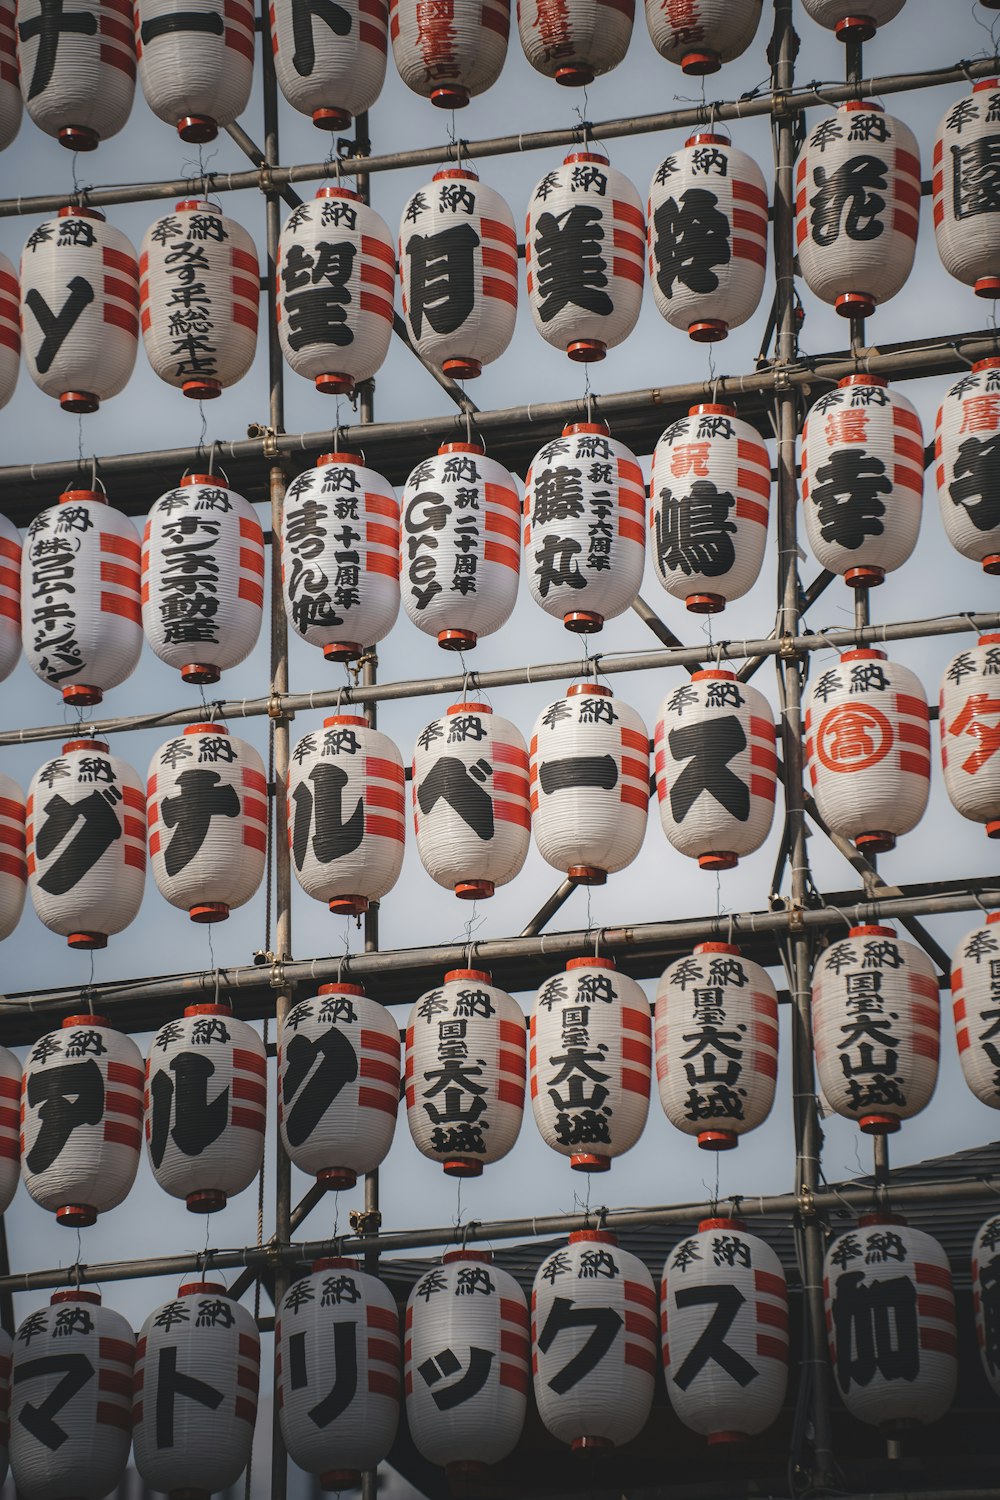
(365, 1221)
(806, 1203)
(276, 709)
(265, 178)
(278, 980)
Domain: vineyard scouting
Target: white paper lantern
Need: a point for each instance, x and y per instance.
(585, 244)
(465, 1072)
(466, 1358)
(575, 41)
(195, 64)
(330, 62)
(590, 1061)
(206, 801)
(985, 1282)
(6, 1347)
(451, 52)
(458, 272)
(10, 584)
(968, 711)
(13, 859)
(79, 308)
(975, 993)
(10, 92)
(701, 35)
(77, 67)
(966, 434)
(81, 1125)
(10, 1152)
(594, 1342)
(853, 20)
(716, 1034)
(964, 210)
(337, 1372)
(10, 312)
(200, 297)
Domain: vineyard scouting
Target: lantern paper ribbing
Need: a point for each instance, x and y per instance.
(970, 734)
(13, 856)
(965, 221)
(575, 41)
(10, 1144)
(975, 991)
(985, 1276)
(701, 35)
(6, 1347)
(10, 325)
(330, 64)
(966, 435)
(10, 93)
(77, 67)
(452, 51)
(195, 66)
(10, 585)
(842, 16)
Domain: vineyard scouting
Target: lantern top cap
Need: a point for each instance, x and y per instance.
(484, 1256)
(848, 380)
(992, 363)
(335, 1263)
(358, 720)
(576, 156)
(78, 211)
(588, 689)
(339, 458)
(332, 190)
(210, 1008)
(482, 975)
(206, 729)
(712, 409)
(576, 429)
(465, 174)
(468, 708)
(100, 745)
(83, 497)
(713, 674)
(852, 106)
(197, 205)
(208, 1288)
(595, 961)
(75, 1294)
(461, 448)
(707, 138)
(991, 639)
(85, 1020)
(341, 988)
(871, 929)
(880, 1216)
(982, 84)
(592, 1236)
(717, 948)
(215, 480)
(864, 653)
(993, 916)
(726, 1222)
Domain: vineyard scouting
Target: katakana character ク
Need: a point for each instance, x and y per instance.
(711, 1346)
(49, 25)
(556, 1265)
(976, 482)
(473, 1279)
(846, 497)
(66, 1097)
(693, 532)
(56, 326)
(434, 1281)
(570, 267)
(450, 780)
(319, 811)
(317, 1070)
(180, 1109)
(442, 283)
(444, 1365)
(70, 1320)
(317, 293)
(605, 1324)
(597, 1263)
(691, 238)
(299, 1295)
(304, 13)
(684, 1255)
(171, 1313)
(708, 748)
(875, 1329)
(848, 200)
(345, 1364)
(200, 796)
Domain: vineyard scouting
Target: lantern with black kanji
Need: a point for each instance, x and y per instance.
(337, 1371)
(853, 20)
(466, 1361)
(85, 840)
(594, 1342)
(206, 801)
(10, 1142)
(965, 223)
(452, 51)
(970, 733)
(195, 66)
(716, 768)
(716, 1032)
(200, 361)
(700, 35)
(10, 93)
(77, 67)
(6, 1347)
(966, 435)
(590, 1062)
(985, 1291)
(10, 326)
(71, 1399)
(584, 527)
(330, 63)
(975, 993)
(79, 308)
(461, 545)
(584, 252)
(465, 1072)
(576, 41)
(890, 1314)
(13, 858)
(81, 1119)
(197, 1373)
(868, 749)
(709, 497)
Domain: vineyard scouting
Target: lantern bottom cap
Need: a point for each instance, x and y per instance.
(586, 351)
(203, 389)
(457, 640)
(991, 564)
(342, 651)
(726, 1437)
(574, 75)
(206, 1201)
(209, 911)
(79, 402)
(855, 305)
(878, 1124)
(197, 129)
(334, 384)
(79, 138)
(331, 119)
(855, 29)
(76, 1215)
(987, 286)
(705, 604)
(348, 906)
(336, 1179)
(718, 1140)
(588, 1161)
(466, 1466)
(868, 576)
(718, 859)
(591, 1445)
(82, 693)
(697, 63)
(993, 829)
(586, 875)
(461, 1166)
(474, 890)
(583, 621)
(461, 368)
(708, 331)
(451, 96)
(200, 673)
(87, 940)
(877, 841)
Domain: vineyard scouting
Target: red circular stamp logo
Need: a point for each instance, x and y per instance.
(853, 737)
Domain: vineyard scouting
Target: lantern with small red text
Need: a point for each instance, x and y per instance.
(975, 992)
(985, 1276)
(575, 41)
(10, 1143)
(10, 326)
(701, 35)
(969, 721)
(195, 66)
(853, 20)
(78, 69)
(330, 64)
(452, 51)
(13, 857)
(966, 433)
(10, 93)
(964, 223)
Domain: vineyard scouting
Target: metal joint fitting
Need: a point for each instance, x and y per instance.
(275, 708)
(365, 1221)
(278, 980)
(806, 1203)
(788, 651)
(265, 178)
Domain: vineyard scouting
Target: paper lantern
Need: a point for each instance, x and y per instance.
(968, 712)
(77, 67)
(466, 1362)
(965, 145)
(6, 1347)
(10, 1156)
(590, 1061)
(200, 295)
(338, 1085)
(584, 531)
(985, 1290)
(857, 204)
(842, 16)
(71, 1378)
(79, 308)
(868, 749)
(706, 234)
(461, 545)
(724, 1323)
(10, 589)
(330, 62)
(716, 768)
(205, 1102)
(451, 52)
(594, 1342)
(206, 800)
(337, 1372)
(195, 65)
(81, 1119)
(10, 313)
(701, 35)
(465, 1072)
(13, 861)
(876, 1028)
(716, 1033)
(10, 92)
(196, 1378)
(890, 1313)
(458, 272)
(709, 496)
(966, 435)
(975, 993)
(575, 41)
(584, 251)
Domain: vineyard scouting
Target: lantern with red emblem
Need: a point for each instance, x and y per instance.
(606, 1014)
(593, 1391)
(330, 64)
(452, 52)
(868, 749)
(985, 1274)
(853, 20)
(460, 308)
(466, 1030)
(10, 1144)
(10, 93)
(195, 66)
(81, 1119)
(10, 332)
(701, 35)
(334, 1320)
(13, 860)
(10, 591)
(587, 302)
(970, 733)
(963, 213)
(584, 531)
(79, 308)
(77, 75)
(975, 992)
(728, 1088)
(576, 41)
(967, 429)
(199, 232)
(466, 1362)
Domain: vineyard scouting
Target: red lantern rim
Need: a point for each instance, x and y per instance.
(99, 745)
(871, 929)
(573, 429)
(576, 156)
(864, 653)
(339, 458)
(852, 106)
(592, 1236)
(717, 674)
(78, 497)
(485, 1257)
(722, 1223)
(206, 729)
(482, 975)
(464, 173)
(340, 989)
(588, 689)
(717, 948)
(468, 708)
(78, 211)
(358, 720)
(209, 1008)
(332, 191)
(197, 1288)
(597, 961)
(75, 1294)
(86, 1019)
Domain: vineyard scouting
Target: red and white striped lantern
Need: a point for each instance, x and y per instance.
(330, 64)
(6, 1347)
(585, 244)
(700, 35)
(338, 1084)
(195, 66)
(458, 272)
(709, 499)
(575, 41)
(10, 317)
(842, 16)
(975, 993)
(10, 1152)
(969, 721)
(876, 1028)
(79, 308)
(716, 768)
(460, 545)
(204, 349)
(590, 1061)
(10, 593)
(965, 146)
(206, 801)
(346, 814)
(452, 51)
(71, 1398)
(724, 1326)
(337, 1371)
(77, 68)
(868, 749)
(716, 1034)
(465, 1072)
(466, 1362)
(706, 236)
(594, 1342)
(81, 1119)
(13, 861)
(10, 92)
(857, 206)
(985, 1277)
(85, 840)
(966, 435)
(584, 531)
(890, 1315)
(197, 1374)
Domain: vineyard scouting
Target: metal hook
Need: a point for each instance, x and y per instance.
(467, 415)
